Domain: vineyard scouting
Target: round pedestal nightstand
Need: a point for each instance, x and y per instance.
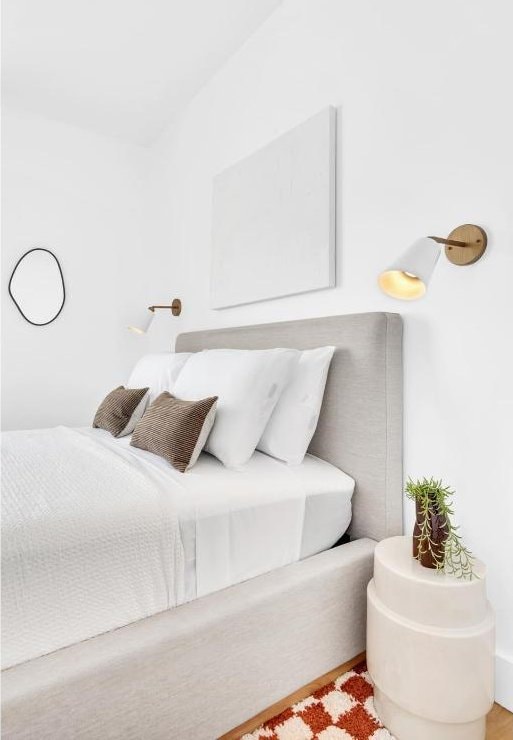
(430, 647)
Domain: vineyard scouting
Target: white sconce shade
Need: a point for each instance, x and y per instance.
(409, 276)
(143, 322)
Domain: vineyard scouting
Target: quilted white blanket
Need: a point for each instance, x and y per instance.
(91, 541)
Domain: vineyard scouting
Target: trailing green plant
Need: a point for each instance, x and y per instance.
(435, 500)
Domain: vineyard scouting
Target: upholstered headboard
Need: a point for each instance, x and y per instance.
(360, 427)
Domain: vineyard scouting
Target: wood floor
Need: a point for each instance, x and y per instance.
(499, 725)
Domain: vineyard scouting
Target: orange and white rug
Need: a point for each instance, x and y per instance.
(342, 710)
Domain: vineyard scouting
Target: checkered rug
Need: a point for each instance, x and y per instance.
(342, 710)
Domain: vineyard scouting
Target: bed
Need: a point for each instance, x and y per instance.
(240, 630)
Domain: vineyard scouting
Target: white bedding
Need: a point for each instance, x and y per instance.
(98, 534)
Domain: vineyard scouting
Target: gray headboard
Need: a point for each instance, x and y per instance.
(360, 427)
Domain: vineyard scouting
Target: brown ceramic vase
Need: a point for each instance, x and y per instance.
(439, 534)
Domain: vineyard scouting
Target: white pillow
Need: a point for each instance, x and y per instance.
(248, 384)
(158, 372)
(294, 419)
(136, 416)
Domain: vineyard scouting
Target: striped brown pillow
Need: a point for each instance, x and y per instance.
(120, 411)
(176, 430)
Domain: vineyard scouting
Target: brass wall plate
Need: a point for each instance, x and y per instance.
(475, 238)
(176, 307)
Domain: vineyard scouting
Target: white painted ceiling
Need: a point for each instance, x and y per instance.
(119, 67)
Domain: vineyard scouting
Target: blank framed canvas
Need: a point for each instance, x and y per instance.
(273, 223)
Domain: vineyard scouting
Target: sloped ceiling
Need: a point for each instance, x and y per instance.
(119, 67)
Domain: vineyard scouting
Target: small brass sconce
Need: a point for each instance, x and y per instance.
(142, 325)
(409, 276)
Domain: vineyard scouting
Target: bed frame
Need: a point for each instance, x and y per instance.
(196, 671)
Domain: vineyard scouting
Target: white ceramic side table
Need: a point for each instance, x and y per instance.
(430, 647)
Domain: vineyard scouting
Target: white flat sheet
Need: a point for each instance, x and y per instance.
(91, 547)
(237, 524)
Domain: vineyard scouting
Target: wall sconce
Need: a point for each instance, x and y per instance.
(144, 322)
(409, 276)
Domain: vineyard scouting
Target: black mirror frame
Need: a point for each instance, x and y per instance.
(38, 249)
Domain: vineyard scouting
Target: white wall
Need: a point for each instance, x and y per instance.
(424, 144)
(80, 195)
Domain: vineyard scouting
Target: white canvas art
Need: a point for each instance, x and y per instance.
(273, 231)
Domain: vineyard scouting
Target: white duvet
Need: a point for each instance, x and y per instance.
(90, 541)
(97, 534)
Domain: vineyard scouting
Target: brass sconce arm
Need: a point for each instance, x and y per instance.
(464, 245)
(175, 307)
(452, 242)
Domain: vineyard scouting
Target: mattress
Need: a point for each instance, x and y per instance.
(236, 524)
(97, 534)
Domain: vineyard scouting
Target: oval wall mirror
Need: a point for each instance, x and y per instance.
(37, 286)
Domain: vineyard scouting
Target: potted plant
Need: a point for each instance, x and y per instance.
(436, 542)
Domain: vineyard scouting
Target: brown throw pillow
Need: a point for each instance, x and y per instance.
(120, 411)
(176, 430)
